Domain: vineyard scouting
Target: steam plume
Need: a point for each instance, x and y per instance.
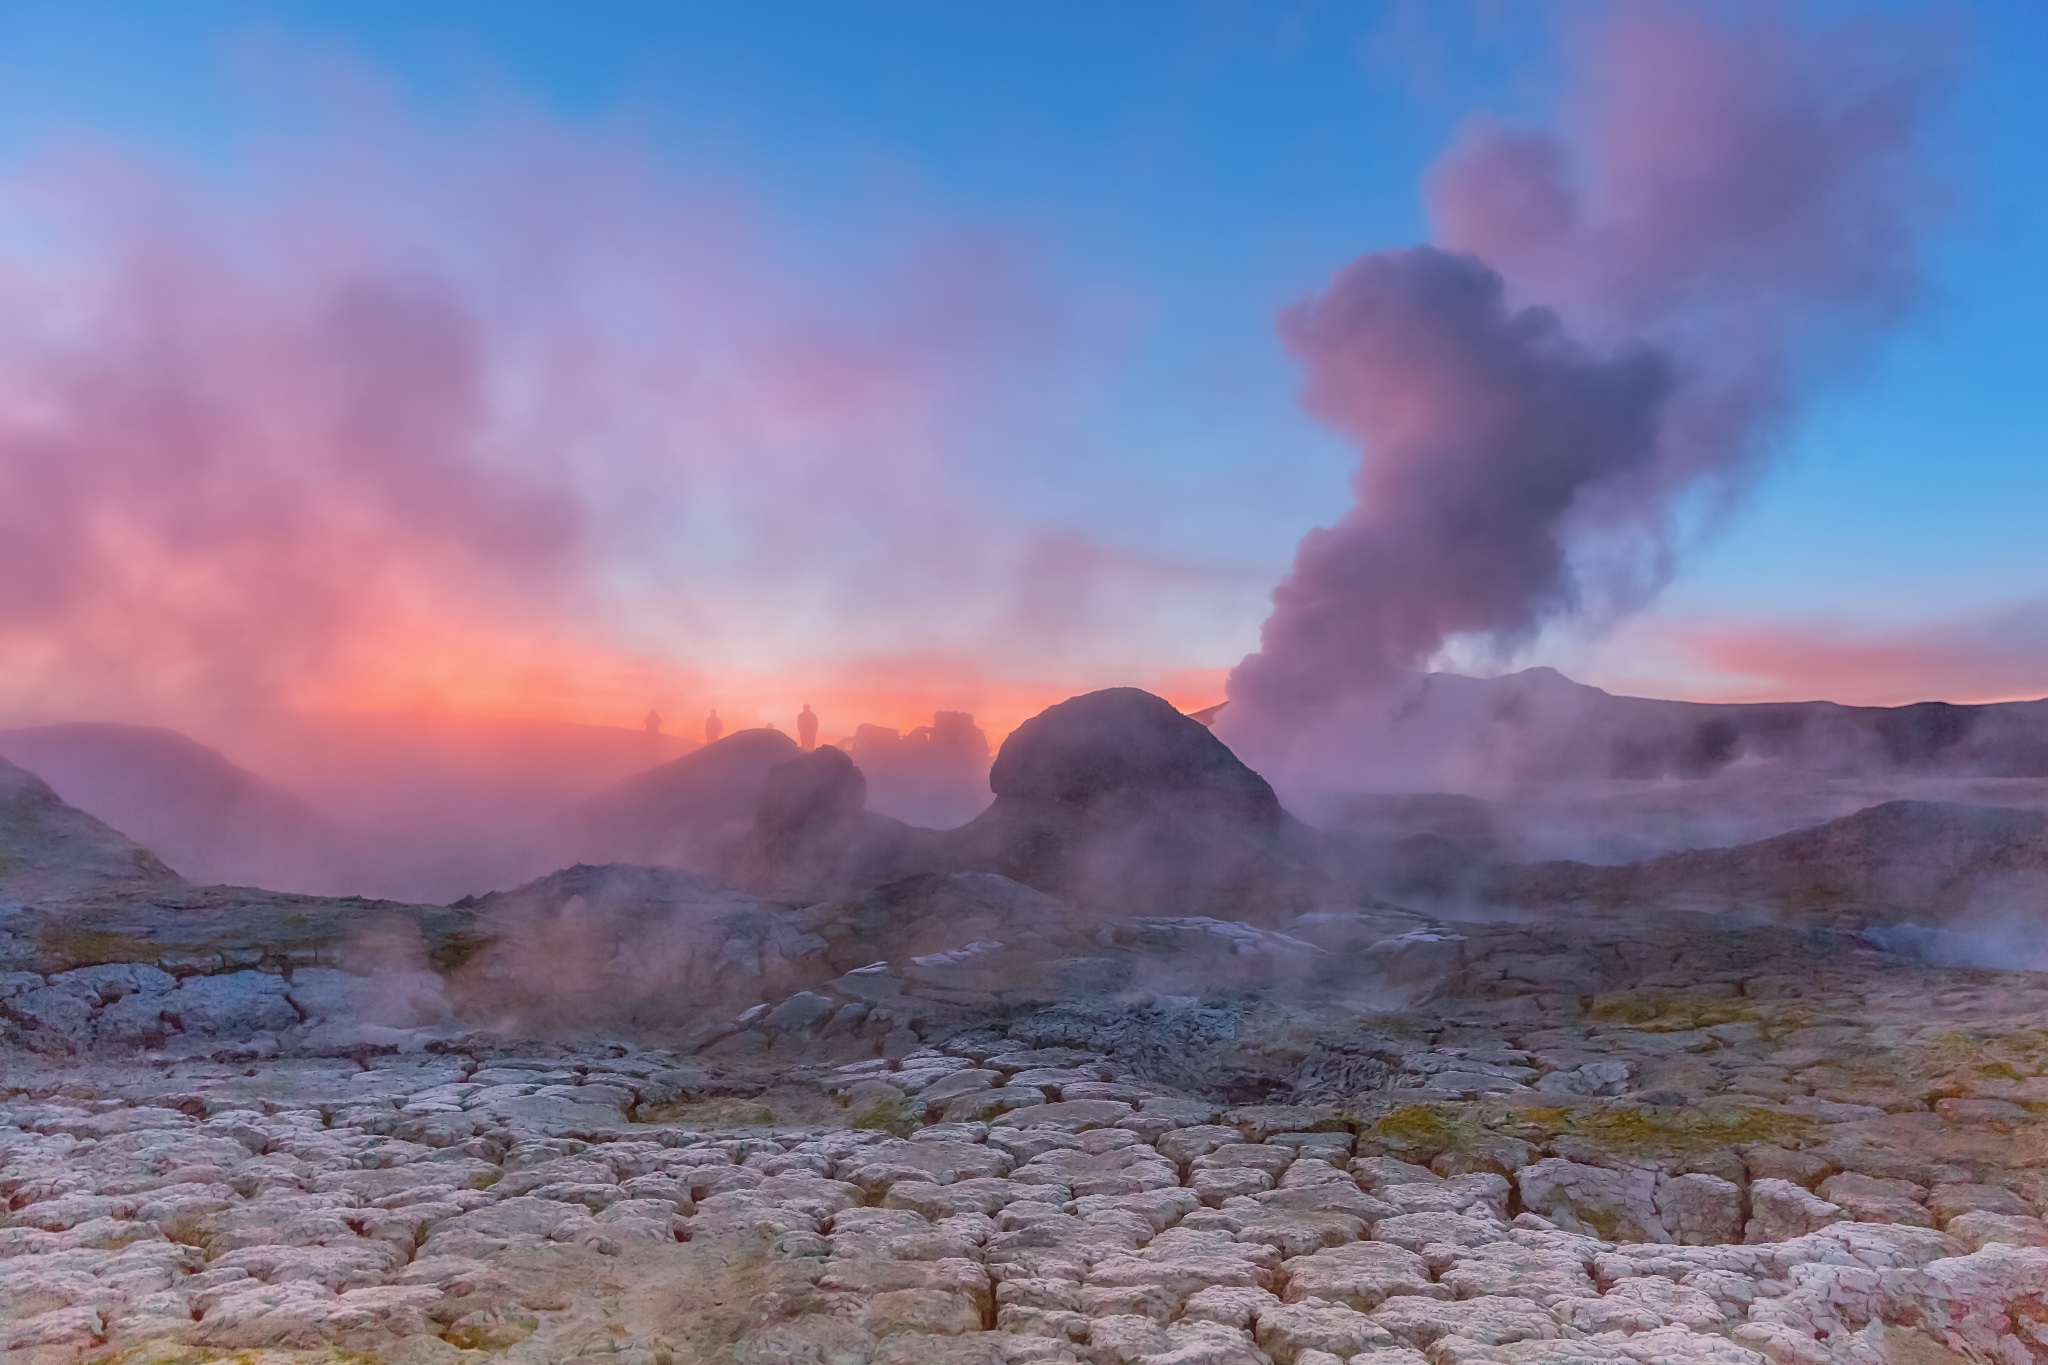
(1617, 317)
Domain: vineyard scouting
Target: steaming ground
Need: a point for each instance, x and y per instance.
(1131, 1069)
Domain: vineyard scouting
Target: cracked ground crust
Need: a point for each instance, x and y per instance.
(1742, 1199)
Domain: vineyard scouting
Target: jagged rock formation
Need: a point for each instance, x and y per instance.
(936, 776)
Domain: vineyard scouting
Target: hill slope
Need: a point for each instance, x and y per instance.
(1918, 860)
(52, 853)
(1457, 733)
(204, 815)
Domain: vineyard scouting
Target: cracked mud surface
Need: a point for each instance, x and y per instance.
(1724, 1161)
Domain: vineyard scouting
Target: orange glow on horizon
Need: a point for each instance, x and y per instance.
(510, 674)
(1973, 663)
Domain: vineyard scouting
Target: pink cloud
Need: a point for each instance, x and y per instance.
(2001, 657)
(512, 423)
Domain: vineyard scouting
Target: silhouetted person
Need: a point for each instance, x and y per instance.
(807, 728)
(652, 721)
(713, 727)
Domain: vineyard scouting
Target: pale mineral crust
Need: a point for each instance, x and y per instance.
(1712, 1155)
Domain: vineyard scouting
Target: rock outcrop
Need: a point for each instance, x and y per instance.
(685, 812)
(813, 837)
(1115, 800)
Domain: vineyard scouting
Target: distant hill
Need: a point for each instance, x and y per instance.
(50, 852)
(1918, 860)
(679, 813)
(1457, 733)
(76, 893)
(199, 812)
(437, 805)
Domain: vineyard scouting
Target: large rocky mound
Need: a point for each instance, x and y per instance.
(208, 817)
(1117, 800)
(1122, 741)
(1921, 861)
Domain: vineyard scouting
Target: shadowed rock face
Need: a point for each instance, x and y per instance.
(1117, 801)
(1118, 741)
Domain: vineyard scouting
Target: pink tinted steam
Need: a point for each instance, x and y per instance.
(383, 443)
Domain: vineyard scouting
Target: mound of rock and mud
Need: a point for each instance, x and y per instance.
(1132, 1069)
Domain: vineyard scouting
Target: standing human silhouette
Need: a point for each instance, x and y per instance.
(652, 721)
(713, 727)
(807, 728)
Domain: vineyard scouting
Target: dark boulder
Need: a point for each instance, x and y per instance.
(809, 798)
(1119, 741)
(1118, 802)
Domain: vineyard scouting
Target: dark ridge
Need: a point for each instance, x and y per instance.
(1539, 726)
(1922, 860)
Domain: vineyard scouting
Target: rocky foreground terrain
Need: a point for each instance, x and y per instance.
(632, 1112)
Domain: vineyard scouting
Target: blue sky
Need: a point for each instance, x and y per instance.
(1173, 175)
